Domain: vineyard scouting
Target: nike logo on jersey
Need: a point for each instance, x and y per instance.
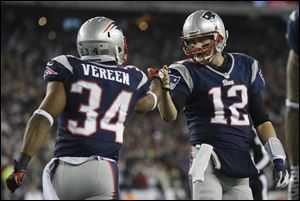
(114, 75)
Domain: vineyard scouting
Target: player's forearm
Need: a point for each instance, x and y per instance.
(149, 102)
(166, 107)
(272, 144)
(265, 131)
(293, 78)
(36, 132)
(292, 135)
(155, 87)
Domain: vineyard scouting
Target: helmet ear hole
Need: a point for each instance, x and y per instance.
(108, 34)
(119, 49)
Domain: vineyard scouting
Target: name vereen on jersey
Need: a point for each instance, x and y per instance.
(107, 74)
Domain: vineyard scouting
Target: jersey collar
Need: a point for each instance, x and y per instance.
(226, 75)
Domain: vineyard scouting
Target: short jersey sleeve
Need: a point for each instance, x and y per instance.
(180, 79)
(144, 85)
(139, 80)
(58, 69)
(257, 79)
(293, 31)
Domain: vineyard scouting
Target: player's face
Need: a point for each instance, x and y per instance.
(202, 44)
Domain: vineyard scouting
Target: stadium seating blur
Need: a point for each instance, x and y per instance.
(154, 159)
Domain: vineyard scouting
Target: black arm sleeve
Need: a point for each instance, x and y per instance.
(257, 109)
(179, 99)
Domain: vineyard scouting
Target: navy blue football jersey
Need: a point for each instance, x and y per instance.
(100, 99)
(217, 110)
(293, 31)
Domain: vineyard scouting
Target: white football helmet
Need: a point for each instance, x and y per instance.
(101, 40)
(203, 23)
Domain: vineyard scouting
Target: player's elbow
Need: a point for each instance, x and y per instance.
(140, 111)
(39, 123)
(168, 118)
(167, 114)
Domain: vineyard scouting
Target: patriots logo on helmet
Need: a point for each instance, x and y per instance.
(110, 27)
(174, 81)
(209, 15)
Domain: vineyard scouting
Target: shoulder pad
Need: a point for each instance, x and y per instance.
(144, 77)
(254, 65)
(184, 72)
(181, 61)
(143, 80)
(240, 54)
(63, 60)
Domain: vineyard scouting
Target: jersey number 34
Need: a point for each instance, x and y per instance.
(118, 109)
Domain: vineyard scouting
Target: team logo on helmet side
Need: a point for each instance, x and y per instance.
(110, 27)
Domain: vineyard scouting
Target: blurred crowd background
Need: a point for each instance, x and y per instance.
(154, 159)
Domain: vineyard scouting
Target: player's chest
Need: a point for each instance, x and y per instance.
(207, 79)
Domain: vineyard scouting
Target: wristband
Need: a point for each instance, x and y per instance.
(23, 162)
(275, 149)
(291, 104)
(155, 99)
(45, 114)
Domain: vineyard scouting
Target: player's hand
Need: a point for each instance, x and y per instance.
(280, 174)
(162, 75)
(15, 179)
(166, 78)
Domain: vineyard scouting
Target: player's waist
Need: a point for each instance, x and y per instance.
(81, 156)
(222, 140)
(61, 150)
(217, 130)
(204, 125)
(81, 160)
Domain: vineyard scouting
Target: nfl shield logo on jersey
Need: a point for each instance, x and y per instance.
(174, 81)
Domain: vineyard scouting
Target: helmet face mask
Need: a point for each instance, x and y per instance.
(207, 28)
(202, 53)
(101, 40)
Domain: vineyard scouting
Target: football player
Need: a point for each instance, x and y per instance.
(94, 96)
(292, 103)
(219, 93)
